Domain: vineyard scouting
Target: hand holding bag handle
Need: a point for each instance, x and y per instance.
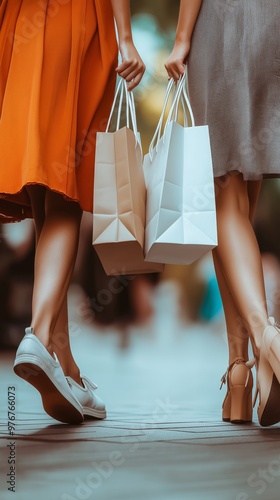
(180, 96)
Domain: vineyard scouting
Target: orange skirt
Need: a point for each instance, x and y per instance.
(57, 80)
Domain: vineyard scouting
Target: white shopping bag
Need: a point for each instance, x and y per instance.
(180, 212)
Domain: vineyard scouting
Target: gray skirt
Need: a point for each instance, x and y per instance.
(234, 84)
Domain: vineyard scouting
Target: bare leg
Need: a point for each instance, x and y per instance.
(239, 261)
(57, 229)
(236, 330)
(62, 347)
(61, 341)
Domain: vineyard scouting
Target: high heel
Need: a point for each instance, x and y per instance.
(268, 376)
(271, 346)
(237, 406)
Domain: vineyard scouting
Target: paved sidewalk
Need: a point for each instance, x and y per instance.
(163, 438)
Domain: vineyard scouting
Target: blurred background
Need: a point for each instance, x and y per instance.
(189, 295)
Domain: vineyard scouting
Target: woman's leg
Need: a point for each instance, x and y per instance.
(237, 334)
(236, 330)
(61, 344)
(57, 225)
(239, 259)
(60, 339)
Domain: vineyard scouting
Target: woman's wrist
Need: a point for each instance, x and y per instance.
(182, 39)
(124, 39)
(182, 47)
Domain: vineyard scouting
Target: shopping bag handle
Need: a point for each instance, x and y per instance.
(184, 101)
(158, 130)
(124, 96)
(180, 97)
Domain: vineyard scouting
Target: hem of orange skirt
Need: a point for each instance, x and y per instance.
(12, 210)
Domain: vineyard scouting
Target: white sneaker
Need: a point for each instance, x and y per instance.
(35, 364)
(92, 405)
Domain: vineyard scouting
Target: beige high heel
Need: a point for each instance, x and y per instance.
(271, 346)
(237, 406)
(268, 376)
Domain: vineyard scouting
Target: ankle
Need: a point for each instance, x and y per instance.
(44, 339)
(74, 373)
(256, 350)
(259, 332)
(237, 357)
(47, 346)
(42, 331)
(258, 339)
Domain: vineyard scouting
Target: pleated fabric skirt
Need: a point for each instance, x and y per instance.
(57, 81)
(234, 84)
